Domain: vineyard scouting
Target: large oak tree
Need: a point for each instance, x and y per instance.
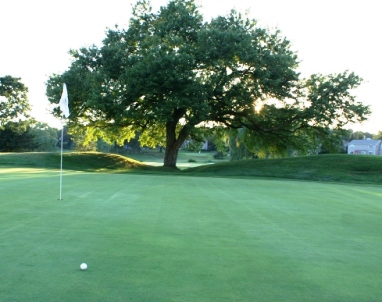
(14, 102)
(170, 73)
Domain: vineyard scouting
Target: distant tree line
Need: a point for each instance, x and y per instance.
(18, 131)
(26, 136)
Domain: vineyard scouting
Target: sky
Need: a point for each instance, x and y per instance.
(329, 36)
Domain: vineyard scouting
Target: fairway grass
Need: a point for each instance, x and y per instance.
(177, 238)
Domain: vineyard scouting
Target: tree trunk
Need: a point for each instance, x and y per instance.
(171, 156)
(174, 143)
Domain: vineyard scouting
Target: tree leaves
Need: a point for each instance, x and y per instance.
(170, 72)
(13, 100)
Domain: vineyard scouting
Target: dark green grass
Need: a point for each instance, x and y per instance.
(175, 238)
(332, 168)
(148, 161)
(80, 161)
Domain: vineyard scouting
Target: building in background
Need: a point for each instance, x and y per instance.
(365, 147)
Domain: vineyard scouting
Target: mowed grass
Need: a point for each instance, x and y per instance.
(149, 237)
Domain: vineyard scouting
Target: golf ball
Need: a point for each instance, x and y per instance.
(83, 266)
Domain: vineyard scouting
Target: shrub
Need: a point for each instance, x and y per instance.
(219, 155)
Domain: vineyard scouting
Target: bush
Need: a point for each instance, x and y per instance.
(219, 155)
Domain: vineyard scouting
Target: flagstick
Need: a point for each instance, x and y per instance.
(64, 107)
(62, 142)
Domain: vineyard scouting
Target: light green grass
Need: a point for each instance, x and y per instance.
(184, 157)
(176, 238)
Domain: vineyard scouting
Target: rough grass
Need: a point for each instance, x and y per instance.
(79, 161)
(333, 168)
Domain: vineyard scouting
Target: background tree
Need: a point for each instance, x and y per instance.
(17, 137)
(102, 146)
(170, 73)
(45, 137)
(334, 142)
(378, 135)
(14, 102)
(68, 143)
(358, 135)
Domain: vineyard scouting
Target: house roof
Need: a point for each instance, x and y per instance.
(365, 142)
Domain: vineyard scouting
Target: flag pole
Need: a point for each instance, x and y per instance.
(64, 107)
(62, 144)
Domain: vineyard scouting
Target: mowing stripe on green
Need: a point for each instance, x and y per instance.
(176, 238)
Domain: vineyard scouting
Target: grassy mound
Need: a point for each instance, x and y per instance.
(334, 168)
(338, 168)
(82, 161)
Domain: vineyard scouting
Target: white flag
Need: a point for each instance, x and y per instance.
(64, 102)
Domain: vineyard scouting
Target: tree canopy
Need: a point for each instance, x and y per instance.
(13, 99)
(45, 137)
(378, 135)
(171, 73)
(17, 137)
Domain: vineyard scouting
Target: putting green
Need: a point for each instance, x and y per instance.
(179, 238)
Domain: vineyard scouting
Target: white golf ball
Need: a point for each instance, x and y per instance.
(83, 266)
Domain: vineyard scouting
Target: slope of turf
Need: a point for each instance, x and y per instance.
(333, 168)
(174, 238)
(337, 168)
(80, 161)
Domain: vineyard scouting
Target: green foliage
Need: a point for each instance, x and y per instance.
(331, 101)
(17, 137)
(219, 155)
(16, 127)
(68, 143)
(102, 146)
(334, 142)
(170, 73)
(45, 137)
(192, 145)
(360, 135)
(378, 135)
(152, 136)
(13, 100)
(237, 146)
(82, 139)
